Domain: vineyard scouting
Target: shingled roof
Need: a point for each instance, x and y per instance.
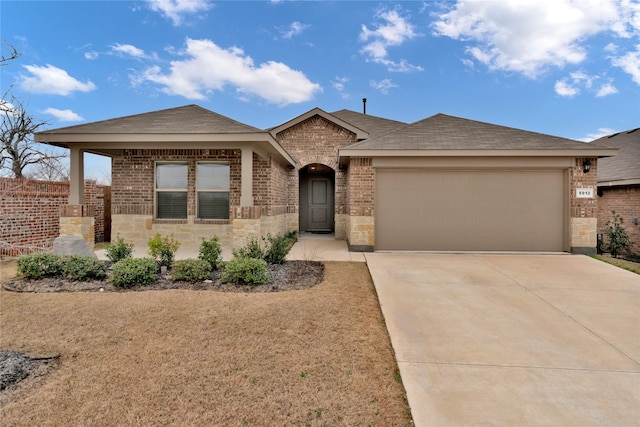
(443, 132)
(375, 126)
(623, 169)
(189, 119)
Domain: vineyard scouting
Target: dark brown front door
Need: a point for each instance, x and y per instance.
(320, 212)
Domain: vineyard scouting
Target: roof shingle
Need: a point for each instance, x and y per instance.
(625, 165)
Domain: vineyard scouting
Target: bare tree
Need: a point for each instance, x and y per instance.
(18, 150)
(13, 54)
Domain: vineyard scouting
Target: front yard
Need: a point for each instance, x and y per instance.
(319, 356)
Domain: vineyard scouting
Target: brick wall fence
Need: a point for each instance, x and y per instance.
(30, 213)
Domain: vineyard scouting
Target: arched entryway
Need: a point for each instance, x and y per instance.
(317, 183)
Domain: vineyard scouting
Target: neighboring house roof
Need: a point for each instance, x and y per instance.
(187, 119)
(445, 135)
(375, 126)
(623, 169)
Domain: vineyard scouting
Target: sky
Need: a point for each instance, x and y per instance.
(569, 68)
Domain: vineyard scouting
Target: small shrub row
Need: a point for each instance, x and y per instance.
(74, 267)
(274, 249)
(163, 249)
(249, 271)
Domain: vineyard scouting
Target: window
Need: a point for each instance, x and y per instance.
(171, 190)
(212, 181)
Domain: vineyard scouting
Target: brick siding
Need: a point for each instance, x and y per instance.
(625, 201)
(317, 140)
(30, 213)
(361, 185)
(133, 178)
(584, 208)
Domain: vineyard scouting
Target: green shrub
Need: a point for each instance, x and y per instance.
(250, 250)
(83, 268)
(37, 266)
(191, 270)
(211, 252)
(250, 271)
(163, 249)
(618, 236)
(119, 250)
(129, 272)
(278, 249)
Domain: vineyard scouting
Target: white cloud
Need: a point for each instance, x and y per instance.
(383, 85)
(339, 85)
(208, 67)
(393, 31)
(598, 134)
(52, 80)
(529, 36)
(175, 10)
(606, 90)
(564, 88)
(64, 115)
(131, 50)
(630, 63)
(293, 29)
(578, 80)
(91, 55)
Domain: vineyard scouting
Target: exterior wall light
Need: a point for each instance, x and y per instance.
(586, 166)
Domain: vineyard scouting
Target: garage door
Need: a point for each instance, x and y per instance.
(470, 210)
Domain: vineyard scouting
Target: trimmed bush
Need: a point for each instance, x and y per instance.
(163, 249)
(211, 252)
(37, 266)
(250, 250)
(278, 249)
(191, 270)
(83, 268)
(250, 271)
(119, 250)
(130, 272)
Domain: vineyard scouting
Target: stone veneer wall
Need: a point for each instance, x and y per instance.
(625, 201)
(317, 140)
(584, 212)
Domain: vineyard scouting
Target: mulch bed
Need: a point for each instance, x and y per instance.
(291, 275)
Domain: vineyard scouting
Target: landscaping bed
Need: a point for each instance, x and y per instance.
(289, 276)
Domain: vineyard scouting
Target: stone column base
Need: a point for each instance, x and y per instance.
(584, 235)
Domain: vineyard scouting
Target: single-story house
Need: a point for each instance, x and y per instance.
(440, 184)
(619, 183)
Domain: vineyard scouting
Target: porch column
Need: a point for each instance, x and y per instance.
(76, 180)
(77, 224)
(246, 190)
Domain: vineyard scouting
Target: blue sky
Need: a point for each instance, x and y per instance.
(569, 68)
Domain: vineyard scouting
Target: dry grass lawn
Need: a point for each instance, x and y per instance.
(314, 357)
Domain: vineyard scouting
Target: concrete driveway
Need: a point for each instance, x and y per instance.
(513, 340)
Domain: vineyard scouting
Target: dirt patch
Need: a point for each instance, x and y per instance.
(316, 356)
(292, 275)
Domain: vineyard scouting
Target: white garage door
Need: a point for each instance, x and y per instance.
(470, 210)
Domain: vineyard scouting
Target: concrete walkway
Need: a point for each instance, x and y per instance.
(513, 340)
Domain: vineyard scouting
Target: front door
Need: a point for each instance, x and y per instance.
(320, 209)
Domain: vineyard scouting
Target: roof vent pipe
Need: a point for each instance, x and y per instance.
(364, 105)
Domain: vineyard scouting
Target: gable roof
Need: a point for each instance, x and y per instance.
(360, 133)
(623, 169)
(375, 126)
(187, 119)
(442, 134)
